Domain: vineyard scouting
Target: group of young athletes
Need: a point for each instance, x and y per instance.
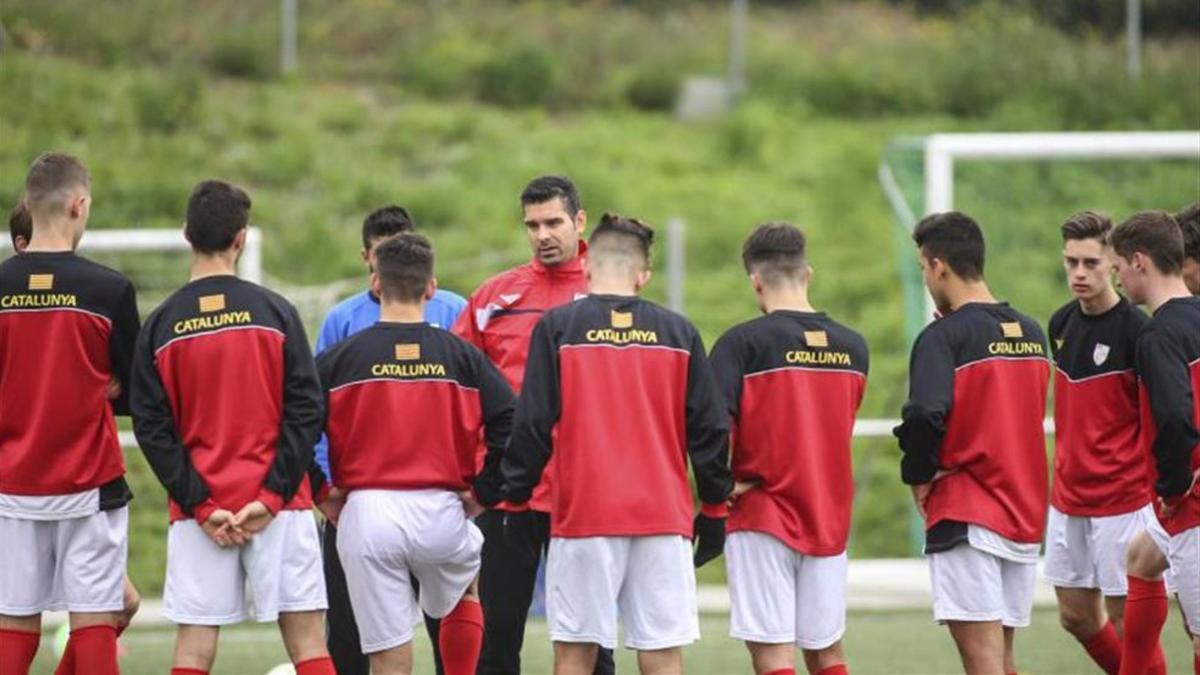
(452, 445)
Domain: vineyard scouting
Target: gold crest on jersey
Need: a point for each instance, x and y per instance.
(1011, 329)
(212, 303)
(621, 319)
(816, 338)
(408, 351)
(41, 282)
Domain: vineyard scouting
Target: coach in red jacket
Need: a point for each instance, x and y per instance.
(499, 319)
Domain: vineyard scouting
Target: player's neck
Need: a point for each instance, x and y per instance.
(1164, 289)
(401, 312)
(218, 264)
(52, 237)
(1100, 303)
(794, 299)
(966, 292)
(603, 286)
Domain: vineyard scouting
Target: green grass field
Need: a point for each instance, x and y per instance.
(876, 642)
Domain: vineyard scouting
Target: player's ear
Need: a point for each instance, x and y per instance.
(580, 222)
(643, 278)
(376, 287)
(431, 288)
(239, 240)
(807, 275)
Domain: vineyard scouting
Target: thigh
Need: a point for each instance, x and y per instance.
(27, 566)
(583, 582)
(446, 577)
(1184, 558)
(92, 555)
(967, 585)
(1070, 556)
(1018, 580)
(1110, 541)
(377, 578)
(283, 564)
(205, 583)
(657, 600)
(762, 588)
(821, 601)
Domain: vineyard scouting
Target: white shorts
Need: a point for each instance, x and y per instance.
(384, 536)
(206, 584)
(1183, 555)
(780, 596)
(1089, 552)
(76, 564)
(1163, 541)
(648, 581)
(973, 585)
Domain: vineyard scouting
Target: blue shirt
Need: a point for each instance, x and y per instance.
(362, 311)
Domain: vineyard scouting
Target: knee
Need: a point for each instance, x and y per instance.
(817, 660)
(770, 657)
(1143, 559)
(1083, 625)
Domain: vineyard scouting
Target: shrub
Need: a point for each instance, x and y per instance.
(653, 89)
(167, 102)
(520, 76)
(242, 54)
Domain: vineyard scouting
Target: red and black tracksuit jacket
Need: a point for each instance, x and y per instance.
(1100, 462)
(407, 403)
(977, 395)
(226, 401)
(621, 392)
(67, 330)
(1168, 363)
(793, 382)
(500, 316)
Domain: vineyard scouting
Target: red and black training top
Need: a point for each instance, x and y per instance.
(977, 394)
(1100, 463)
(67, 330)
(226, 401)
(407, 404)
(622, 393)
(1168, 362)
(793, 382)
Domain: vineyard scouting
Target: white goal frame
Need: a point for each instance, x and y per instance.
(159, 239)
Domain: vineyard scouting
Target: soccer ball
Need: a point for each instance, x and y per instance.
(282, 669)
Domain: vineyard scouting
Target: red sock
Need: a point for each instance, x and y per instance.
(97, 647)
(1158, 666)
(17, 649)
(322, 665)
(1105, 649)
(66, 665)
(784, 671)
(1145, 614)
(187, 671)
(461, 638)
(1196, 664)
(839, 669)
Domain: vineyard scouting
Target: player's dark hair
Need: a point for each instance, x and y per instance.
(775, 252)
(1087, 225)
(954, 238)
(404, 264)
(216, 212)
(50, 179)
(1154, 233)
(20, 223)
(385, 222)
(544, 188)
(620, 236)
(1189, 223)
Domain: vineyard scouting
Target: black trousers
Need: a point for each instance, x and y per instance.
(506, 585)
(341, 636)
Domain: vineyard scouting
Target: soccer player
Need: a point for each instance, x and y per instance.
(1189, 222)
(793, 380)
(20, 226)
(499, 319)
(428, 395)
(347, 318)
(227, 407)
(621, 393)
(1101, 493)
(974, 449)
(1149, 260)
(63, 495)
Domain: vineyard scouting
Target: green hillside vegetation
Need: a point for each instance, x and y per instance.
(449, 108)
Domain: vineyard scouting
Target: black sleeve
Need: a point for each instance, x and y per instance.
(121, 345)
(303, 412)
(707, 428)
(923, 418)
(728, 369)
(317, 475)
(1164, 372)
(498, 404)
(157, 435)
(538, 409)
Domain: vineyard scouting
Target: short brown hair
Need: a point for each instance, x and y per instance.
(1154, 233)
(619, 234)
(51, 179)
(404, 264)
(1087, 225)
(216, 212)
(775, 251)
(20, 224)
(1189, 223)
(954, 238)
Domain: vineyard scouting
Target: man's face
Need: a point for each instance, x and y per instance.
(553, 233)
(1191, 275)
(1131, 276)
(933, 271)
(369, 254)
(1088, 266)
